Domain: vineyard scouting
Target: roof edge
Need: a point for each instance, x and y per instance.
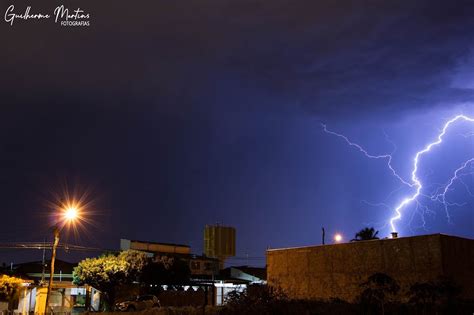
(376, 240)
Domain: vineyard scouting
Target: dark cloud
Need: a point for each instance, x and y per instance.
(325, 57)
(189, 113)
(374, 56)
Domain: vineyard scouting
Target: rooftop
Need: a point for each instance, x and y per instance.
(160, 243)
(375, 240)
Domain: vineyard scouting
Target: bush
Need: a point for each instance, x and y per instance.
(378, 290)
(432, 297)
(265, 300)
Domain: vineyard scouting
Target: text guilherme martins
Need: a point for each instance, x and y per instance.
(61, 15)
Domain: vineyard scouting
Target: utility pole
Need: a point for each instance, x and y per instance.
(43, 261)
(51, 273)
(324, 235)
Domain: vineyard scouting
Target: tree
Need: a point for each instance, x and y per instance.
(427, 295)
(257, 299)
(378, 290)
(366, 234)
(166, 270)
(106, 273)
(9, 287)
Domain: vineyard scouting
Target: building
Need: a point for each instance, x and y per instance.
(337, 271)
(65, 296)
(236, 279)
(246, 274)
(219, 242)
(155, 248)
(199, 265)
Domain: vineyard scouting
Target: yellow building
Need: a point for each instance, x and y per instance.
(219, 242)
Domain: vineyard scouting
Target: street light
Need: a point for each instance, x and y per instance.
(69, 215)
(338, 238)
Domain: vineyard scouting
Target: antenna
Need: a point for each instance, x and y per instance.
(43, 262)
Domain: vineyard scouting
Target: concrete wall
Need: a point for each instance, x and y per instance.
(336, 271)
(458, 262)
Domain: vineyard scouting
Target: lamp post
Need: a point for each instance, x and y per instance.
(69, 215)
(51, 272)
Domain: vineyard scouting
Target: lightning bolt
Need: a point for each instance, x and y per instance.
(442, 196)
(387, 157)
(415, 181)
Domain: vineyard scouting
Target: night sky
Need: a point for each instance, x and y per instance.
(176, 114)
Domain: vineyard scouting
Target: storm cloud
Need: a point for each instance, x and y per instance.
(324, 57)
(185, 113)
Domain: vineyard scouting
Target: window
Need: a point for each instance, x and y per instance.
(195, 265)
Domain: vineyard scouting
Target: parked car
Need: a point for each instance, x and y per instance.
(138, 303)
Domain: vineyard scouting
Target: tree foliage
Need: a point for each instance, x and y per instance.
(379, 289)
(9, 287)
(366, 234)
(428, 296)
(109, 271)
(256, 299)
(166, 270)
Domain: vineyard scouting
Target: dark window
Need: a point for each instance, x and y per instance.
(195, 265)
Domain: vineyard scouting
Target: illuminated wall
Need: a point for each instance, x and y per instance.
(153, 247)
(219, 242)
(336, 271)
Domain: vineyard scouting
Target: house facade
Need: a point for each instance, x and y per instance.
(64, 296)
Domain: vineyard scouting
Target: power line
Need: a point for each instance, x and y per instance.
(42, 245)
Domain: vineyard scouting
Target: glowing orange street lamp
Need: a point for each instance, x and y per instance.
(69, 215)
